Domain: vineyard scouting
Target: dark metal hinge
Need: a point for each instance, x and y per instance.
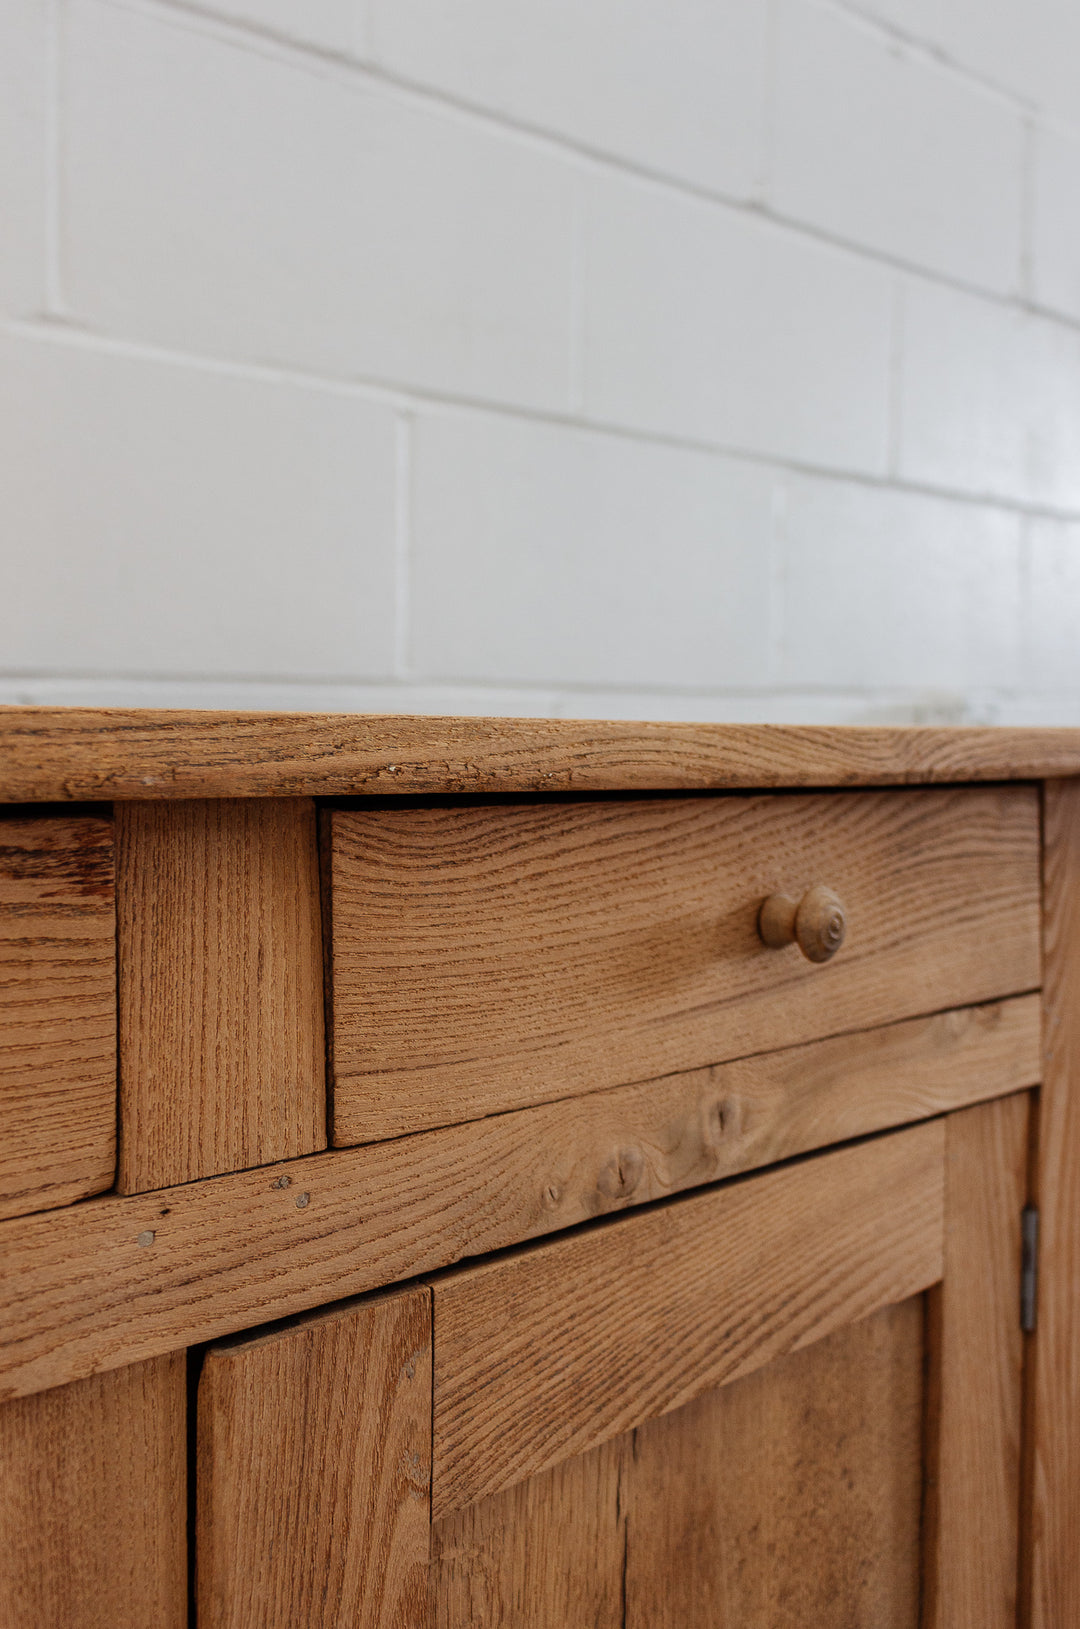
(1029, 1266)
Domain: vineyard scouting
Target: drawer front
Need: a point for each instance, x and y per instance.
(485, 958)
(57, 1011)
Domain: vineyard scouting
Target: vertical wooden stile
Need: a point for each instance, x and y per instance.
(975, 1350)
(1052, 1503)
(93, 1503)
(314, 1472)
(57, 1011)
(222, 1063)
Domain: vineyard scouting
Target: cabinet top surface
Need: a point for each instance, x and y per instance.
(58, 754)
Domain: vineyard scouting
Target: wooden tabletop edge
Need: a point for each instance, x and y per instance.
(61, 754)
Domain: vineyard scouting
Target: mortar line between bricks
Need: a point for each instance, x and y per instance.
(55, 303)
(927, 53)
(556, 145)
(935, 56)
(552, 688)
(416, 399)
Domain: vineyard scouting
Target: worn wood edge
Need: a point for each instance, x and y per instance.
(778, 1263)
(60, 754)
(78, 1293)
(1050, 1500)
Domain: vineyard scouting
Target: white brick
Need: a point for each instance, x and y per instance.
(1055, 253)
(232, 203)
(888, 589)
(706, 323)
(23, 91)
(889, 151)
(674, 85)
(1028, 47)
(990, 399)
(1054, 606)
(544, 552)
(163, 519)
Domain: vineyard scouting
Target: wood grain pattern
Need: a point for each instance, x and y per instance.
(976, 1366)
(222, 1061)
(548, 1553)
(553, 1349)
(57, 1011)
(314, 1472)
(89, 752)
(789, 1497)
(78, 1292)
(490, 957)
(1054, 1363)
(92, 1503)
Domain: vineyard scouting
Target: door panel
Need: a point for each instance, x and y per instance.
(548, 1553)
(792, 1496)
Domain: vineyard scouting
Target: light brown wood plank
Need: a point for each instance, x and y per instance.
(976, 1364)
(548, 1553)
(222, 1061)
(57, 1011)
(789, 1497)
(138, 753)
(551, 1350)
(92, 1502)
(78, 1293)
(492, 957)
(1053, 1526)
(314, 1472)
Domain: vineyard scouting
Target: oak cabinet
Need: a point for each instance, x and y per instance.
(507, 1228)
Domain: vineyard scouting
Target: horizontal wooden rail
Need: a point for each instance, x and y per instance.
(554, 1349)
(120, 1278)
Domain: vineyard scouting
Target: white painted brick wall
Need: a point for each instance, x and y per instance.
(123, 524)
(712, 325)
(598, 557)
(658, 358)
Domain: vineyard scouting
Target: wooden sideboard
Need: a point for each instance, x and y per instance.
(437, 1189)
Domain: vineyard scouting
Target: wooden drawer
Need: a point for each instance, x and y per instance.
(57, 1011)
(489, 957)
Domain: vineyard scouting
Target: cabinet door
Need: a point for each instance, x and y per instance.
(795, 1396)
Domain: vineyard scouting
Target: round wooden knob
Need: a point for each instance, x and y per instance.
(816, 923)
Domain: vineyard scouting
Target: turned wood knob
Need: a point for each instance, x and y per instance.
(816, 923)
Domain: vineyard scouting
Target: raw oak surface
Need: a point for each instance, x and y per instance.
(222, 1060)
(87, 753)
(112, 1280)
(553, 1349)
(975, 1350)
(93, 1512)
(1052, 1533)
(314, 1472)
(789, 1497)
(57, 1011)
(547, 1553)
(492, 957)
